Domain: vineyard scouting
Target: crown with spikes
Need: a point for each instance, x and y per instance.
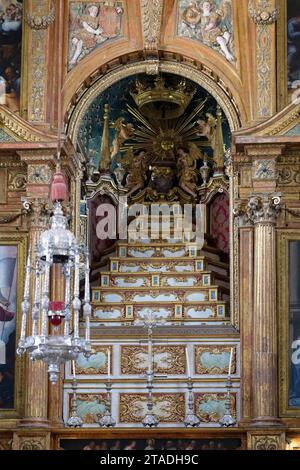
(178, 97)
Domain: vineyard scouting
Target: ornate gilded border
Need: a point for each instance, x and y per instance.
(284, 236)
(19, 240)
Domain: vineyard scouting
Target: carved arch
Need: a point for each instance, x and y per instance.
(200, 75)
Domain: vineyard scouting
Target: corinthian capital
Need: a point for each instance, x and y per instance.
(264, 208)
(37, 210)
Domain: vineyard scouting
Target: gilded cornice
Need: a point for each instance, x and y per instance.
(20, 129)
(277, 125)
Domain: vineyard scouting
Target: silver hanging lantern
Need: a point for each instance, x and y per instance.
(57, 247)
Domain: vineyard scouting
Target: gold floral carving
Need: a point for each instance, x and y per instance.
(264, 18)
(213, 416)
(39, 174)
(133, 363)
(37, 92)
(151, 19)
(266, 442)
(17, 181)
(216, 370)
(31, 442)
(262, 15)
(168, 407)
(41, 21)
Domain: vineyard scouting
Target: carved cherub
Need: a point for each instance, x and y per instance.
(187, 173)
(137, 172)
(124, 132)
(206, 128)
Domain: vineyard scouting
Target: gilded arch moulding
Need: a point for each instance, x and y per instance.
(205, 78)
(287, 120)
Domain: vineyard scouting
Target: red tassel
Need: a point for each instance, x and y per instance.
(58, 188)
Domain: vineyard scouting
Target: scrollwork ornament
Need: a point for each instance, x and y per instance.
(38, 22)
(262, 15)
(17, 181)
(31, 444)
(266, 443)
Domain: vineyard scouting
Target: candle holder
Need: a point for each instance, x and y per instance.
(191, 420)
(150, 420)
(91, 166)
(228, 420)
(205, 171)
(107, 421)
(74, 421)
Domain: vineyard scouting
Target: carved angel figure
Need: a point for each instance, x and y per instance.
(124, 132)
(187, 172)
(210, 21)
(192, 14)
(206, 128)
(93, 27)
(138, 168)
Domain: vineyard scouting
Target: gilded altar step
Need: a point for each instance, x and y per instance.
(160, 249)
(172, 279)
(211, 311)
(158, 294)
(166, 265)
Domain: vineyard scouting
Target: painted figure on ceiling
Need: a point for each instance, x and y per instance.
(87, 31)
(211, 31)
(293, 30)
(210, 22)
(10, 54)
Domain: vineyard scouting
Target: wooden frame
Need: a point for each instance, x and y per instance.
(20, 241)
(282, 85)
(138, 433)
(284, 237)
(283, 95)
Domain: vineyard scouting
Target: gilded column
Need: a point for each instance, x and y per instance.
(36, 377)
(264, 210)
